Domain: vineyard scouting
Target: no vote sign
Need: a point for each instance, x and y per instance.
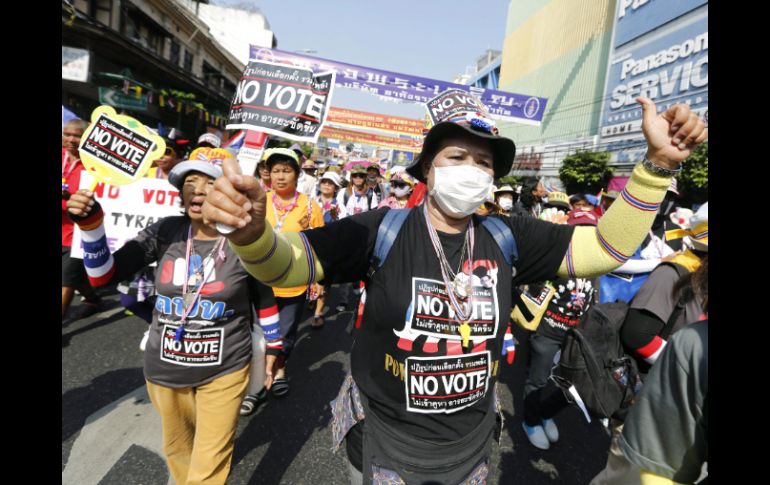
(281, 100)
(450, 103)
(117, 149)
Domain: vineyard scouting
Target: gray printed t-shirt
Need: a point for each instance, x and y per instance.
(217, 337)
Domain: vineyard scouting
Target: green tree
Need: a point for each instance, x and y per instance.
(585, 171)
(693, 180)
(511, 180)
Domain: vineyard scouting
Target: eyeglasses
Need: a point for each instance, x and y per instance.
(398, 185)
(362, 175)
(169, 151)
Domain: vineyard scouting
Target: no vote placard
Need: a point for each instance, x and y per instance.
(452, 102)
(281, 100)
(446, 384)
(118, 149)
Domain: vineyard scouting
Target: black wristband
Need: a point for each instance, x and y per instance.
(658, 170)
(94, 210)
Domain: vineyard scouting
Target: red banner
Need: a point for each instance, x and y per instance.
(374, 121)
(371, 139)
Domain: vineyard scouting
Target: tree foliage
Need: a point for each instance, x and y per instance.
(585, 171)
(511, 180)
(275, 142)
(693, 180)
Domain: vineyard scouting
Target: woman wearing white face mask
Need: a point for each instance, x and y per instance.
(420, 404)
(401, 185)
(505, 197)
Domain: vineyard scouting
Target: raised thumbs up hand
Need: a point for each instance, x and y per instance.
(238, 201)
(671, 135)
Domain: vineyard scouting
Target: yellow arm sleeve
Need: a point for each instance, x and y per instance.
(280, 260)
(649, 478)
(594, 251)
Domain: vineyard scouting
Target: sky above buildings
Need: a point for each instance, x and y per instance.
(430, 38)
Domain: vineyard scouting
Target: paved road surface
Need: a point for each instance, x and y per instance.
(111, 433)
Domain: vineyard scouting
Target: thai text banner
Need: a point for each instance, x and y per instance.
(372, 139)
(520, 108)
(375, 121)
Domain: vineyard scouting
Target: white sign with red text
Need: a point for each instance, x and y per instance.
(129, 208)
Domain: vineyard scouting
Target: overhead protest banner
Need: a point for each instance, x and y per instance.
(117, 149)
(405, 144)
(281, 100)
(374, 121)
(519, 108)
(129, 208)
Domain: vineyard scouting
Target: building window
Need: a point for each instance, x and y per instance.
(174, 53)
(212, 77)
(102, 11)
(188, 61)
(229, 88)
(143, 30)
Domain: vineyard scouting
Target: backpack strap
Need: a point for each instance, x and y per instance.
(669, 326)
(665, 332)
(503, 237)
(394, 219)
(386, 236)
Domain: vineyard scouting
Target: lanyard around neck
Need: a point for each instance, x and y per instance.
(216, 252)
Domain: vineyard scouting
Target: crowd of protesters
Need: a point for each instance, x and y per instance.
(574, 251)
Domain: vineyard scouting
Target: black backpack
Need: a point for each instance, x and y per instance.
(594, 361)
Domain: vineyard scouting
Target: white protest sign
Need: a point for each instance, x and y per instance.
(129, 208)
(281, 100)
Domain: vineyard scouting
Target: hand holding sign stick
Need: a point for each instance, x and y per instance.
(248, 159)
(238, 201)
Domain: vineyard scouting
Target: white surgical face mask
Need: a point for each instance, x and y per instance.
(506, 203)
(459, 190)
(401, 191)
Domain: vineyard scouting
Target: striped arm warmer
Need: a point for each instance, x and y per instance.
(596, 251)
(652, 350)
(100, 266)
(280, 260)
(268, 320)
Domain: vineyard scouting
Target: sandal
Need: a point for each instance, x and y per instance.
(280, 387)
(252, 401)
(318, 321)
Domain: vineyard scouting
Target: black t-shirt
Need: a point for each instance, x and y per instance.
(407, 356)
